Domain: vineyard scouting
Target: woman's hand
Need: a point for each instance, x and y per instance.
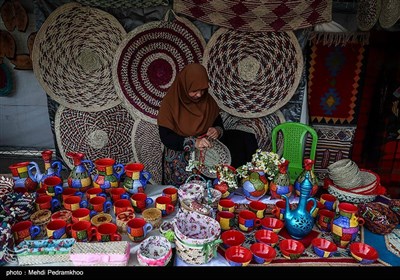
(213, 133)
(203, 143)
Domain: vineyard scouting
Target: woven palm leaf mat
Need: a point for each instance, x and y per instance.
(72, 57)
(148, 148)
(124, 4)
(334, 82)
(96, 134)
(261, 127)
(252, 80)
(334, 143)
(256, 15)
(368, 12)
(148, 60)
(390, 13)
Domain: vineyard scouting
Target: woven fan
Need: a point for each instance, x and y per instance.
(96, 134)
(217, 154)
(72, 57)
(148, 60)
(148, 148)
(253, 74)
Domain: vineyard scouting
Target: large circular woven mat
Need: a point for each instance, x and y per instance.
(368, 13)
(72, 57)
(96, 134)
(148, 148)
(253, 74)
(261, 127)
(148, 60)
(390, 13)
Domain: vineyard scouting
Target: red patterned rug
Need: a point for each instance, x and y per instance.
(258, 15)
(334, 82)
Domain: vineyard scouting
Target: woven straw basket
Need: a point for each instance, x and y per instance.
(377, 217)
(196, 237)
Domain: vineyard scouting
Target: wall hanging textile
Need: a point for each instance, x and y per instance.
(334, 78)
(123, 4)
(14, 15)
(252, 74)
(255, 15)
(261, 127)
(72, 57)
(148, 59)
(390, 13)
(334, 143)
(368, 12)
(148, 148)
(6, 80)
(96, 134)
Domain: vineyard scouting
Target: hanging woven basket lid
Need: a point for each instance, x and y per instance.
(148, 148)
(368, 12)
(103, 134)
(390, 13)
(148, 60)
(253, 74)
(72, 57)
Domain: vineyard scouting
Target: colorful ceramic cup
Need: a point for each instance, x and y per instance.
(53, 185)
(107, 232)
(83, 231)
(258, 208)
(226, 205)
(248, 221)
(70, 192)
(100, 204)
(118, 193)
(74, 202)
(164, 203)
(172, 193)
(140, 201)
(82, 214)
(93, 192)
(329, 201)
(324, 219)
(24, 230)
(58, 229)
(226, 219)
(122, 205)
(47, 202)
(137, 229)
(279, 209)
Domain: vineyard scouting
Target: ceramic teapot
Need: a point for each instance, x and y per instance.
(51, 168)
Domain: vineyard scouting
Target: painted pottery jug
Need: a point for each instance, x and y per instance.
(51, 168)
(308, 169)
(255, 186)
(108, 173)
(220, 183)
(280, 185)
(79, 177)
(21, 177)
(136, 178)
(299, 222)
(346, 224)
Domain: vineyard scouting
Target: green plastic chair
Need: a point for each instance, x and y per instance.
(294, 139)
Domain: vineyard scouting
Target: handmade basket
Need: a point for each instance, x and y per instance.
(192, 205)
(378, 218)
(192, 189)
(196, 237)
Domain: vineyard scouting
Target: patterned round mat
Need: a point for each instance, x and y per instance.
(390, 13)
(253, 74)
(261, 127)
(96, 134)
(368, 13)
(217, 154)
(148, 148)
(148, 60)
(72, 57)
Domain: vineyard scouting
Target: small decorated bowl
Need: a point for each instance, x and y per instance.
(232, 238)
(154, 251)
(323, 248)
(291, 248)
(262, 253)
(267, 237)
(238, 256)
(273, 224)
(363, 253)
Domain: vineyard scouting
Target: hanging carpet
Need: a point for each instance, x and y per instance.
(72, 57)
(148, 60)
(96, 134)
(253, 74)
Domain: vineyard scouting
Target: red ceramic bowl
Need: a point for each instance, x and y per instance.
(273, 224)
(363, 253)
(262, 253)
(323, 248)
(232, 238)
(266, 236)
(238, 256)
(291, 248)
